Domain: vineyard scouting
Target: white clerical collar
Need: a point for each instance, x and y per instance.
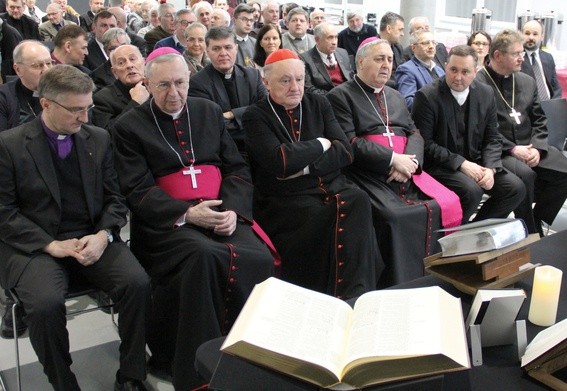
(178, 114)
(461, 97)
(377, 90)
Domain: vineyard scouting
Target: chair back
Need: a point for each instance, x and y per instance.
(556, 113)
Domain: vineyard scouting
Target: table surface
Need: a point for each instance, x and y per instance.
(500, 370)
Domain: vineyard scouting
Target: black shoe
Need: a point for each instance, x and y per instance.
(128, 384)
(161, 370)
(6, 330)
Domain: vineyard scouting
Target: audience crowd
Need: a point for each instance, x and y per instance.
(248, 140)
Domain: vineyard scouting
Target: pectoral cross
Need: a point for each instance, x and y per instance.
(515, 115)
(191, 171)
(389, 135)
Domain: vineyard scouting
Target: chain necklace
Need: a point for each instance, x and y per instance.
(385, 114)
(282, 124)
(513, 113)
(167, 142)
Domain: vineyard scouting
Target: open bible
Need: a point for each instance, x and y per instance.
(389, 335)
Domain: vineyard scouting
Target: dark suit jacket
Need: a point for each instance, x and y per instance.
(411, 76)
(103, 76)
(138, 41)
(28, 29)
(86, 20)
(10, 39)
(30, 199)
(548, 65)
(110, 103)
(208, 84)
(434, 115)
(12, 113)
(441, 54)
(153, 36)
(317, 79)
(96, 57)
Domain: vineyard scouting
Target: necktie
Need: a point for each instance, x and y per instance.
(330, 60)
(542, 91)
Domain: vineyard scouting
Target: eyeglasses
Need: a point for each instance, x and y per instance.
(74, 110)
(39, 65)
(184, 23)
(516, 54)
(180, 85)
(480, 43)
(428, 43)
(246, 20)
(168, 15)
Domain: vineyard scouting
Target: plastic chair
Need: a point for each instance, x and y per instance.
(75, 290)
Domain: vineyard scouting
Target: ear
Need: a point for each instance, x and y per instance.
(44, 103)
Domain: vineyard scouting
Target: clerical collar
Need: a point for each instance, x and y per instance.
(461, 97)
(226, 76)
(60, 143)
(368, 88)
(165, 116)
(178, 114)
(495, 75)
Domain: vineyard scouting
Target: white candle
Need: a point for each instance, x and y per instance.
(545, 295)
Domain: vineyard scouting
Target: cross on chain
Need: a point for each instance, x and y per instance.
(516, 115)
(389, 135)
(191, 171)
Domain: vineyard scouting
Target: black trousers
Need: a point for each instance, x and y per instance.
(547, 188)
(42, 288)
(506, 194)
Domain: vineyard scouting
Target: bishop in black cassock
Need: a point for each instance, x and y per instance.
(522, 123)
(405, 218)
(319, 221)
(211, 269)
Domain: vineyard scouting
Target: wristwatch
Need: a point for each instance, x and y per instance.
(109, 235)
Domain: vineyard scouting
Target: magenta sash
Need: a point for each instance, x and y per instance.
(448, 200)
(203, 182)
(192, 183)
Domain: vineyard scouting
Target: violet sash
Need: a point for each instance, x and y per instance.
(448, 200)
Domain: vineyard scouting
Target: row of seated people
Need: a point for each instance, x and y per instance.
(296, 149)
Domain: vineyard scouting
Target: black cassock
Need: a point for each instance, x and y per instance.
(210, 276)
(404, 217)
(548, 189)
(319, 222)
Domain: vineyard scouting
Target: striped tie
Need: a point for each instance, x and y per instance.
(542, 91)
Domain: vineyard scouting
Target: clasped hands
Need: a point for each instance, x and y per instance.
(402, 168)
(86, 250)
(202, 215)
(483, 176)
(527, 153)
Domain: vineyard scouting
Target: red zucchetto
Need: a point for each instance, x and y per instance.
(281, 54)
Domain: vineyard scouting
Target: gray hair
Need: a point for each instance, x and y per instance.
(18, 54)
(181, 12)
(362, 52)
(110, 34)
(164, 8)
(64, 79)
(218, 33)
(194, 26)
(319, 30)
(352, 14)
(170, 57)
(202, 4)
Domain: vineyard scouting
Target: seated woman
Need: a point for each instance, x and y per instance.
(195, 54)
(268, 41)
(480, 41)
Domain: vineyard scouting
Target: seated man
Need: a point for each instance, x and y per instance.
(233, 87)
(71, 47)
(126, 92)
(457, 119)
(418, 24)
(522, 123)
(191, 232)
(49, 29)
(296, 37)
(326, 65)
(420, 70)
(319, 221)
(60, 217)
(388, 156)
(102, 75)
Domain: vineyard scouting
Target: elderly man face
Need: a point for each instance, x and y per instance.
(222, 53)
(327, 42)
(182, 22)
(15, 8)
(222, 4)
(127, 64)
(96, 5)
(168, 82)
(425, 47)
(420, 24)
(115, 43)
(317, 17)
(355, 23)
(533, 35)
(285, 81)
(375, 67)
(271, 13)
(62, 3)
(218, 18)
(35, 60)
(167, 20)
(145, 10)
(297, 25)
(54, 13)
(102, 25)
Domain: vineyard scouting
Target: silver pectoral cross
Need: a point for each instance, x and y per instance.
(516, 115)
(389, 134)
(191, 171)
